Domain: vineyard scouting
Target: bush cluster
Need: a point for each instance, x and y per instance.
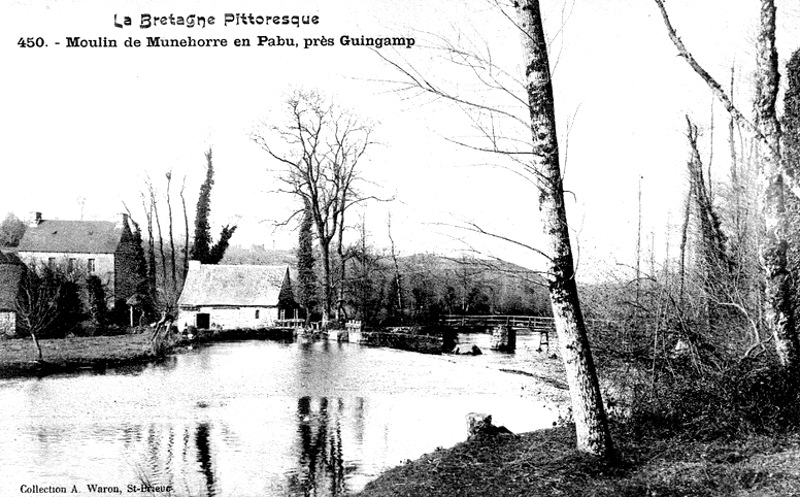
(748, 397)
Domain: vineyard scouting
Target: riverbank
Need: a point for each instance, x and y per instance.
(66, 355)
(73, 354)
(543, 366)
(545, 463)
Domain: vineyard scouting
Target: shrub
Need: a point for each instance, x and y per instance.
(96, 297)
(48, 303)
(748, 397)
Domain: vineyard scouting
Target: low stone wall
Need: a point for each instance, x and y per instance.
(355, 336)
(336, 335)
(203, 336)
(425, 344)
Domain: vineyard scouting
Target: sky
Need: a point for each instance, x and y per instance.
(82, 129)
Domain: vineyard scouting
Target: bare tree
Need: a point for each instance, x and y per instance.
(154, 206)
(173, 288)
(47, 301)
(186, 231)
(321, 149)
(398, 282)
(587, 406)
(37, 306)
(775, 178)
(151, 252)
(165, 290)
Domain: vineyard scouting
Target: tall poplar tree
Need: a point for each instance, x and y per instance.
(307, 277)
(144, 293)
(202, 228)
(591, 423)
(203, 250)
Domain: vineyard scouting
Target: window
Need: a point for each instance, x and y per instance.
(51, 261)
(257, 310)
(90, 265)
(71, 265)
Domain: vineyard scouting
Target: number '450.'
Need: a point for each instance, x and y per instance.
(31, 42)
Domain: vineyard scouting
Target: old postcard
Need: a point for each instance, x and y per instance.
(469, 247)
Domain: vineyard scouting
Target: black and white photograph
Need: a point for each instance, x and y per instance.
(387, 248)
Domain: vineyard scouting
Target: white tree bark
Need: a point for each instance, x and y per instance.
(774, 179)
(779, 285)
(591, 423)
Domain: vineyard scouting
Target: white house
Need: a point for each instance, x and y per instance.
(235, 296)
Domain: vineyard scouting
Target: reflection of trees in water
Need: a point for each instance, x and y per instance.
(154, 438)
(204, 455)
(180, 456)
(322, 469)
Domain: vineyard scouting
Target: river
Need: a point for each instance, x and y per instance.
(254, 418)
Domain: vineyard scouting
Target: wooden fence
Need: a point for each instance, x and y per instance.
(289, 323)
(541, 324)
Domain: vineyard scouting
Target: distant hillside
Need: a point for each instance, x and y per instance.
(431, 284)
(258, 254)
(474, 286)
(449, 264)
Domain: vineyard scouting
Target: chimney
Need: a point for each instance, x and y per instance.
(123, 222)
(194, 265)
(36, 219)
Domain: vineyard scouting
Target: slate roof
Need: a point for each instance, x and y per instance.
(10, 271)
(71, 237)
(233, 285)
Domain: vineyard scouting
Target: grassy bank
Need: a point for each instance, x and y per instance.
(545, 463)
(18, 356)
(732, 431)
(64, 355)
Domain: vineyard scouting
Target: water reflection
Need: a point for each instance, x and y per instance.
(322, 466)
(251, 419)
(201, 439)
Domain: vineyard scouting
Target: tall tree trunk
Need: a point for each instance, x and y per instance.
(735, 183)
(173, 283)
(397, 278)
(151, 252)
(341, 315)
(38, 347)
(591, 423)
(186, 231)
(327, 294)
(779, 287)
(687, 210)
(638, 295)
(168, 301)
